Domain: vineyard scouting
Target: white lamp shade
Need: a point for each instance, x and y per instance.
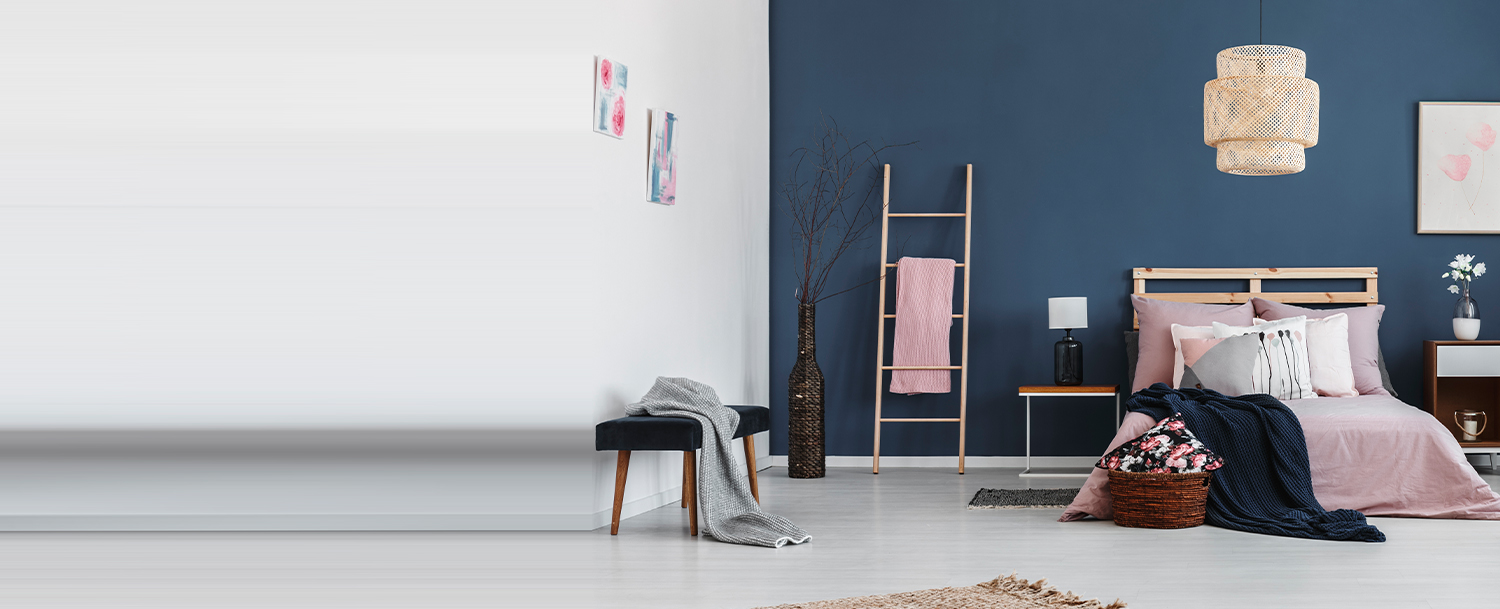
(1068, 313)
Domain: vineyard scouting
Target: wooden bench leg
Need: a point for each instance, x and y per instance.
(750, 463)
(690, 486)
(622, 465)
(684, 501)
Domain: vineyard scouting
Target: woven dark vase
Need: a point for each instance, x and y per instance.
(805, 401)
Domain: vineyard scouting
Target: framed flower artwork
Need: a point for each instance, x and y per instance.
(610, 78)
(1456, 152)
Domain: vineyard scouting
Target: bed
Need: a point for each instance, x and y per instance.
(1372, 453)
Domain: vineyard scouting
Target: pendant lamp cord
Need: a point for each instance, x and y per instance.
(1262, 21)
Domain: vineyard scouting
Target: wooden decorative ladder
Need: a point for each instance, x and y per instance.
(963, 367)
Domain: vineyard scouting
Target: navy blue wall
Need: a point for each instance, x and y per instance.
(1084, 124)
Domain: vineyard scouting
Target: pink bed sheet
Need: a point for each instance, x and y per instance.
(1371, 453)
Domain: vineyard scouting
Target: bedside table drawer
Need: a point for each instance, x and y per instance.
(1468, 360)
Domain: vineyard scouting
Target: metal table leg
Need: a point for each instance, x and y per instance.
(1028, 437)
(1028, 434)
(1027, 473)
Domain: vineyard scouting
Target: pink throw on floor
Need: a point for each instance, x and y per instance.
(924, 319)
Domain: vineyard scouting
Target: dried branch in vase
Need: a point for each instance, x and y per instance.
(830, 206)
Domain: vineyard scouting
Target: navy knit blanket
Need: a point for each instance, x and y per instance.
(1265, 485)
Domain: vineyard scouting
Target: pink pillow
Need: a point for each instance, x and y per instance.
(1155, 362)
(1364, 338)
(1182, 336)
(1194, 348)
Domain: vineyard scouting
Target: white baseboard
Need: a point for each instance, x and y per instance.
(338, 522)
(333, 522)
(868, 462)
(634, 508)
(292, 522)
(643, 505)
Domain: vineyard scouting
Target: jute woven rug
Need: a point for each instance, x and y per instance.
(1009, 592)
(1009, 499)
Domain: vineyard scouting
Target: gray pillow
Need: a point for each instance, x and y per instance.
(1385, 375)
(1227, 367)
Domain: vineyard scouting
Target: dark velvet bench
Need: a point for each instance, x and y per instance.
(674, 433)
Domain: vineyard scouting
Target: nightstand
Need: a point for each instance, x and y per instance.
(1060, 391)
(1463, 375)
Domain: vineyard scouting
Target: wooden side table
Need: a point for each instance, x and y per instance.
(1058, 391)
(1464, 375)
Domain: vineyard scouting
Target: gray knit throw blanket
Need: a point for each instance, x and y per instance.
(730, 512)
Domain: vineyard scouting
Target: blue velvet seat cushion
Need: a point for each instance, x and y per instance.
(671, 433)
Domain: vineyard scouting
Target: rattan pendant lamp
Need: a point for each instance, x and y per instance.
(1262, 111)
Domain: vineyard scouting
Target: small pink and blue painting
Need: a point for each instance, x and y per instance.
(610, 78)
(661, 160)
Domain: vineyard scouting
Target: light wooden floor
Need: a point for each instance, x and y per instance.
(902, 530)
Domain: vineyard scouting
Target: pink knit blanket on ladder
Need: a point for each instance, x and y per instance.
(924, 319)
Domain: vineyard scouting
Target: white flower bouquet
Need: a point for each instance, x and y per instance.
(1461, 271)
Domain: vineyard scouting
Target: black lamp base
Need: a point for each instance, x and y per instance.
(1067, 361)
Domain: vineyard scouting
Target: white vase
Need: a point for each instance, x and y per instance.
(1465, 329)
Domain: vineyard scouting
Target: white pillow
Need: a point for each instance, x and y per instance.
(1328, 359)
(1180, 332)
(1282, 369)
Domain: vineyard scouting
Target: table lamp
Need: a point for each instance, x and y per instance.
(1067, 356)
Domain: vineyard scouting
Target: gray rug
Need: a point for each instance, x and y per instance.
(1011, 499)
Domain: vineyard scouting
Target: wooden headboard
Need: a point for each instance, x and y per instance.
(1370, 274)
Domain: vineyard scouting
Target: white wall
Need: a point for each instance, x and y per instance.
(308, 224)
(682, 290)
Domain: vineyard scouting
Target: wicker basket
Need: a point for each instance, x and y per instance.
(1159, 501)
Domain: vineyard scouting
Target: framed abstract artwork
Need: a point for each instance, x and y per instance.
(610, 78)
(1455, 153)
(661, 158)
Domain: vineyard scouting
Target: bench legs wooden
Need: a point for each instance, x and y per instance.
(690, 484)
(750, 463)
(622, 465)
